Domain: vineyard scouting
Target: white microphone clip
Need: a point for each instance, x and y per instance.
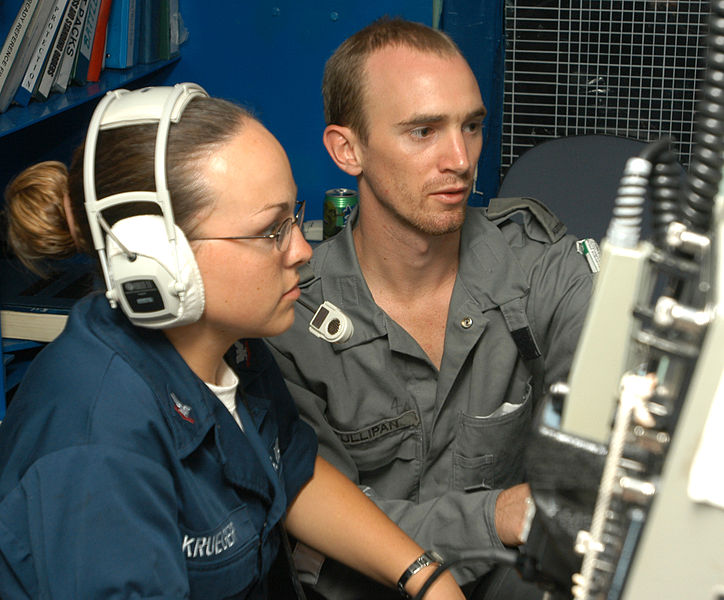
(331, 324)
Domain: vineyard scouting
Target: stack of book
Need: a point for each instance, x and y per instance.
(51, 44)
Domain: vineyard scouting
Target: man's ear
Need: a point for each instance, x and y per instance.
(342, 145)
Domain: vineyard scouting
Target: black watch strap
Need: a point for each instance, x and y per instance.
(426, 559)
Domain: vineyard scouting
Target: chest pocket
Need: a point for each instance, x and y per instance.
(222, 561)
(489, 451)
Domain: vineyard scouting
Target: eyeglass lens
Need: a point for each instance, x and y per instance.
(285, 230)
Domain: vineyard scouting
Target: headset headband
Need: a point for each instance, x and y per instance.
(123, 108)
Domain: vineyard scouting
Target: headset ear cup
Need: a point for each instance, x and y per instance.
(194, 298)
(157, 282)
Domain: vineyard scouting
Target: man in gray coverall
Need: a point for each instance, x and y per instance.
(429, 404)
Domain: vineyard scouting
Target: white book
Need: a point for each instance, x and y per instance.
(35, 67)
(15, 37)
(55, 54)
(65, 70)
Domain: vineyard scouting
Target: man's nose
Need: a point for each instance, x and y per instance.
(455, 155)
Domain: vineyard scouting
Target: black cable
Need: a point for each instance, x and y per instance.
(309, 307)
(666, 182)
(663, 184)
(705, 169)
(503, 557)
(653, 150)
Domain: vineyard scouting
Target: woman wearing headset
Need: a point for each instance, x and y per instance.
(148, 453)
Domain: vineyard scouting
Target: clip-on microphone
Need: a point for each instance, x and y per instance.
(329, 322)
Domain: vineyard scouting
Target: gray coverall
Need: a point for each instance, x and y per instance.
(434, 448)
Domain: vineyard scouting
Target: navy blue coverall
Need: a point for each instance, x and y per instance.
(123, 476)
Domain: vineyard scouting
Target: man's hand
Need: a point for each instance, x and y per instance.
(510, 514)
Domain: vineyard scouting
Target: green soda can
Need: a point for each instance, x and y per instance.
(338, 205)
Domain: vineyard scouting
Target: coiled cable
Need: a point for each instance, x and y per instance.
(705, 169)
(655, 169)
(666, 183)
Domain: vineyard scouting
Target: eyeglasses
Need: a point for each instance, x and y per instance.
(282, 233)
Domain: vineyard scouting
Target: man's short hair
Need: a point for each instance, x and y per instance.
(343, 84)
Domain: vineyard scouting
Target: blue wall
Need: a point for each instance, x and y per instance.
(270, 56)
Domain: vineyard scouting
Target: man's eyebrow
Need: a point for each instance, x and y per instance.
(477, 114)
(423, 119)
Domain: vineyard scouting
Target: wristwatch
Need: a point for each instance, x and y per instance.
(424, 560)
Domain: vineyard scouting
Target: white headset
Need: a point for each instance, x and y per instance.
(147, 263)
